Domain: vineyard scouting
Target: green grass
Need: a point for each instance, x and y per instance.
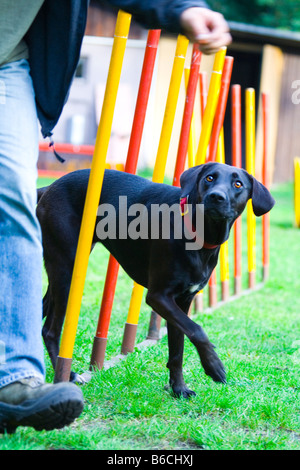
(257, 335)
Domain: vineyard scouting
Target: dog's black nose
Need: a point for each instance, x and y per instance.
(217, 196)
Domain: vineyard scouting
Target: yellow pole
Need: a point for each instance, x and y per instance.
(172, 99)
(162, 153)
(297, 191)
(224, 271)
(92, 198)
(250, 167)
(221, 148)
(224, 258)
(135, 303)
(192, 140)
(211, 105)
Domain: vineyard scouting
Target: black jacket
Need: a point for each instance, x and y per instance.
(55, 38)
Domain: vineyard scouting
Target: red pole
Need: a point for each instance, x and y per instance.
(266, 182)
(221, 108)
(142, 101)
(107, 297)
(236, 142)
(100, 340)
(187, 115)
(236, 125)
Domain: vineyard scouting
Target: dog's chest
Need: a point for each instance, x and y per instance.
(194, 288)
(198, 274)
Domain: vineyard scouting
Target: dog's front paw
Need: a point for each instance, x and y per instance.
(80, 379)
(212, 365)
(181, 391)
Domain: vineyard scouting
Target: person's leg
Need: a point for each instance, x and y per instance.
(25, 400)
(20, 240)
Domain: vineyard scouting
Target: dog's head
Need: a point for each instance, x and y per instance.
(224, 190)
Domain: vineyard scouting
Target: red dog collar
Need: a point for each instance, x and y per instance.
(184, 211)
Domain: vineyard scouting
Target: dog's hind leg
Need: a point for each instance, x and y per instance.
(59, 269)
(54, 307)
(59, 256)
(47, 313)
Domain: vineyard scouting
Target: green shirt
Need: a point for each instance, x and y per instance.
(16, 17)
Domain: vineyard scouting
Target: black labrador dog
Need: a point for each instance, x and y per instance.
(173, 268)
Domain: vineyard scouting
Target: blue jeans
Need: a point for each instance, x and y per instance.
(20, 238)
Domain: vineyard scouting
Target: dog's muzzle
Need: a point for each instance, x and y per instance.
(217, 205)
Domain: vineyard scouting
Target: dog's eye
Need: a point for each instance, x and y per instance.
(209, 178)
(237, 184)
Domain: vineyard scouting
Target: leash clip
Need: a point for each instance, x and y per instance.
(184, 202)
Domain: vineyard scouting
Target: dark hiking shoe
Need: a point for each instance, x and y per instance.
(30, 402)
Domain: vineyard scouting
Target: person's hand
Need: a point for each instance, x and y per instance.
(206, 27)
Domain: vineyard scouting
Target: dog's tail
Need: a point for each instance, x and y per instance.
(40, 192)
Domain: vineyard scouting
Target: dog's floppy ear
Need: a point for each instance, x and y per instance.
(189, 179)
(262, 201)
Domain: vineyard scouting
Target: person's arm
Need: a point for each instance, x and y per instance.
(192, 18)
